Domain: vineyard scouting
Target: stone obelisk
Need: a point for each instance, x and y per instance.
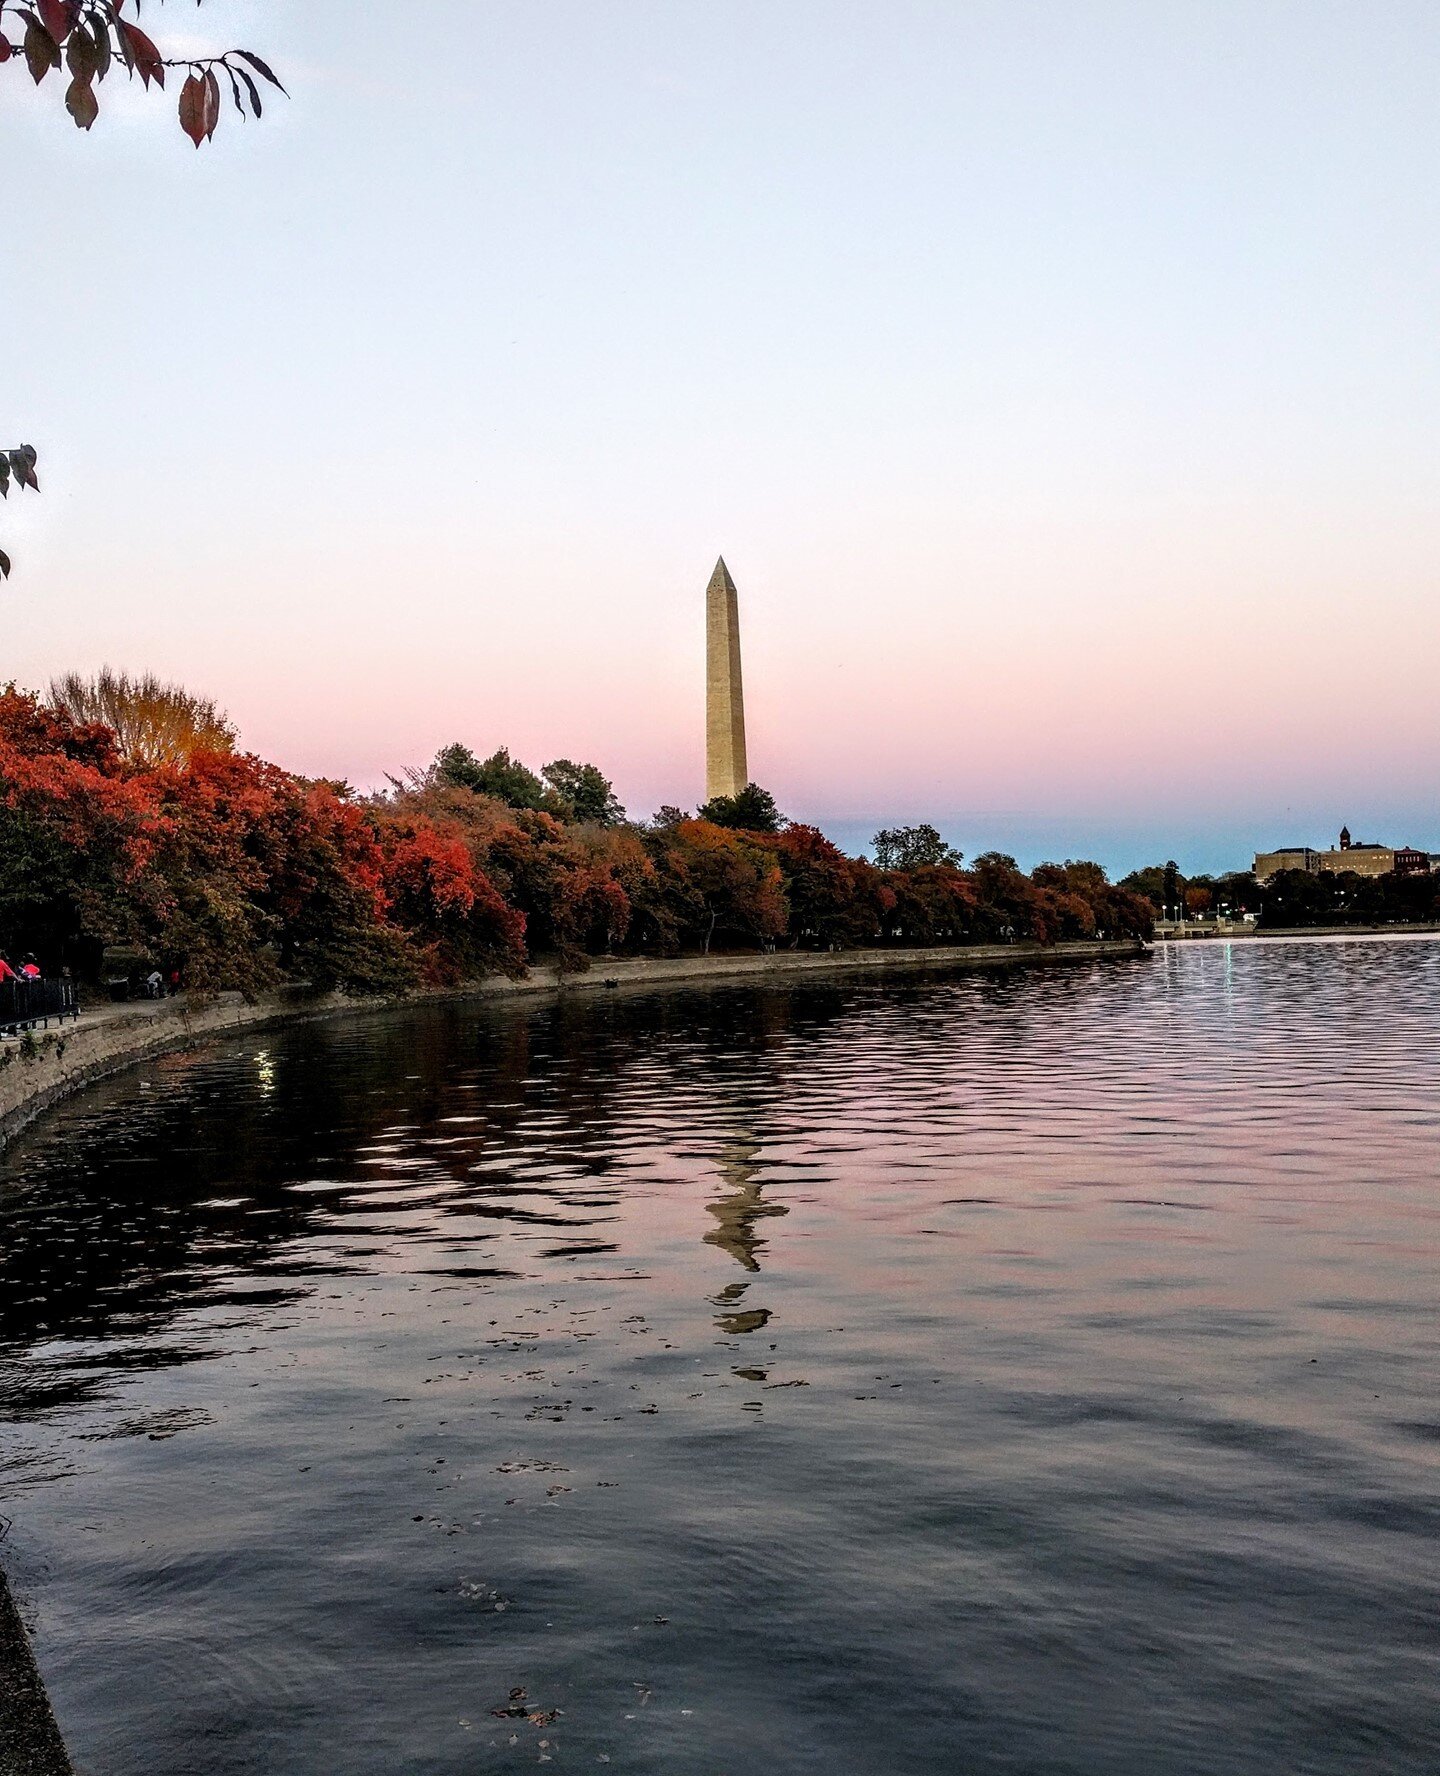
(725, 769)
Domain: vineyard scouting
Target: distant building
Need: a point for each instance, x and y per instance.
(1358, 859)
(1349, 857)
(1288, 857)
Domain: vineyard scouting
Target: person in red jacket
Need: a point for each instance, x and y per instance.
(30, 968)
(7, 973)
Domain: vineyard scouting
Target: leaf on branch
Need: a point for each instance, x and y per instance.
(140, 53)
(22, 466)
(212, 103)
(4, 565)
(81, 103)
(58, 17)
(250, 87)
(99, 30)
(4, 476)
(82, 58)
(260, 68)
(5, 51)
(42, 52)
(192, 109)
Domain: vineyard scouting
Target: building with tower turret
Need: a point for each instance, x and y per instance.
(1355, 857)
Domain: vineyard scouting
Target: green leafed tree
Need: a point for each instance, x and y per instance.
(583, 792)
(912, 847)
(499, 775)
(752, 810)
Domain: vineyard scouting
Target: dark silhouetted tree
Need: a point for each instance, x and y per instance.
(499, 775)
(583, 792)
(911, 847)
(753, 810)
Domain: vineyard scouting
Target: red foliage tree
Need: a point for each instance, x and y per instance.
(834, 900)
(721, 882)
(443, 901)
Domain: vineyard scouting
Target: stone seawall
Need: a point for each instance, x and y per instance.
(30, 1742)
(65, 1059)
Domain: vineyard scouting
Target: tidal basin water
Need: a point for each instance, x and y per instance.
(1028, 1372)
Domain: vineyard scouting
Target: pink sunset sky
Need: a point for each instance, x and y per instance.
(1059, 382)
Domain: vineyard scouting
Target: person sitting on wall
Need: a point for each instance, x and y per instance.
(30, 968)
(7, 973)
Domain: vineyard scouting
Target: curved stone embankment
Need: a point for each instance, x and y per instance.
(61, 1060)
(30, 1742)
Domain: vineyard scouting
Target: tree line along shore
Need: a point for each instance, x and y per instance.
(133, 825)
(1293, 900)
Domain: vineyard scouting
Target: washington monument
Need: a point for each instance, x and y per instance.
(725, 769)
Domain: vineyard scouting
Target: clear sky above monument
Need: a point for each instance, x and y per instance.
(1059, 381)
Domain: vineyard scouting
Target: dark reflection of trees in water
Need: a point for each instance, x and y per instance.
(139, 1203)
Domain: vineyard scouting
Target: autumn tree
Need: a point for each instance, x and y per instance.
(834, 899)
(153, 723)
(75, 836)
(1114, 910)
(1010, 905)
(721, 881)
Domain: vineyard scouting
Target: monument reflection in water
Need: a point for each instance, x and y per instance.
(1015, 1372)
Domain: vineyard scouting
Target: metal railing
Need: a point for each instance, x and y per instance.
(26, 1003)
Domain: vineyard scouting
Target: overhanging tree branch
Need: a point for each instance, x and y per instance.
(17, 465)
(89, 38)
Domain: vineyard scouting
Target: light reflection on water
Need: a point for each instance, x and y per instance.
(1030, 1372)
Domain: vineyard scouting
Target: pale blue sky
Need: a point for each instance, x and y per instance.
(1059, 380)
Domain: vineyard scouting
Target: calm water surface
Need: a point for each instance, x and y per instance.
(1031, 1372)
